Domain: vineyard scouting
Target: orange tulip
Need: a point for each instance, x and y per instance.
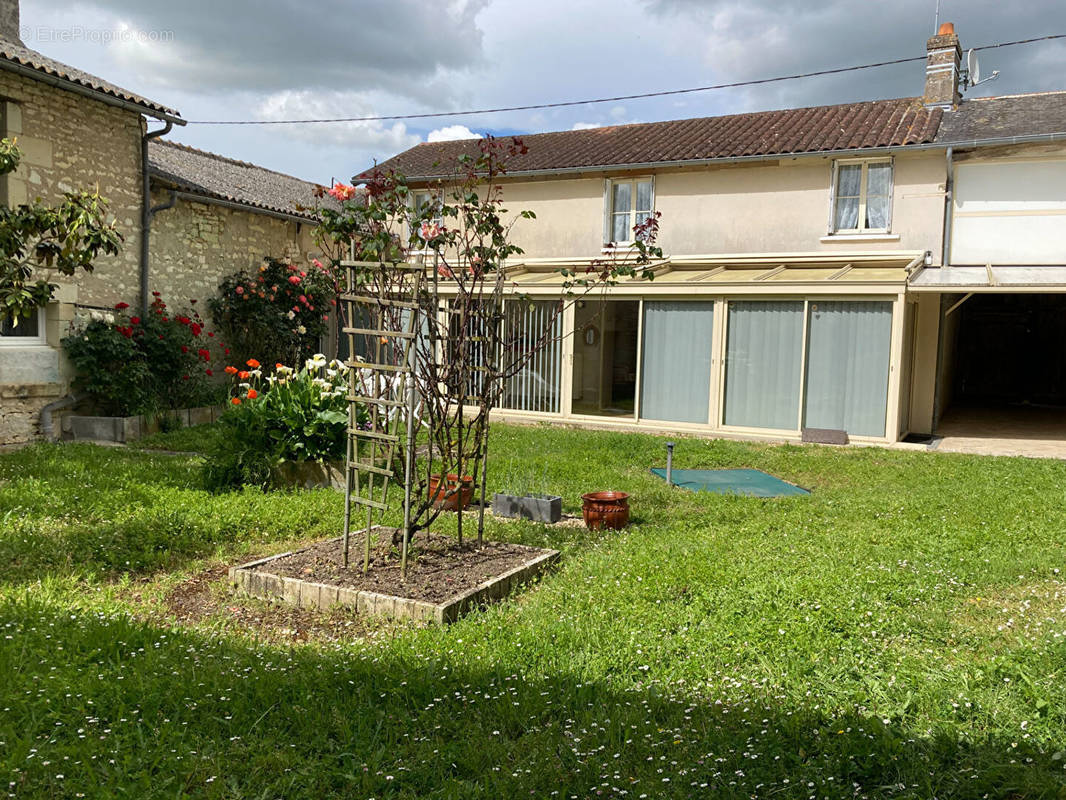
(279, 365)
(236, 401)
(231, 370)
(252, 394)
(251, 362)
(244, 374)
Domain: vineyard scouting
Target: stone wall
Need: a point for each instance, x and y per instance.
(68, 142)
(194, 245)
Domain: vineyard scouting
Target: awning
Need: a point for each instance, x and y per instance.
(989, 279)
(818, 273)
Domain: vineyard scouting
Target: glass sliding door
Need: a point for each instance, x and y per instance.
(676, 361)
(764, 353)
(605, 357)
(848, 352)
(535, 339)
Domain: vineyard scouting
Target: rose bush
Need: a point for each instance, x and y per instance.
(279, 312)
(292, 414)
(127, 364)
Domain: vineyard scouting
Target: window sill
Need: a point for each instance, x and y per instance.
(860, 237)
(37, 344)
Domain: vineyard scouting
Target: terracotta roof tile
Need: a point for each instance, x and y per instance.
(880, 123)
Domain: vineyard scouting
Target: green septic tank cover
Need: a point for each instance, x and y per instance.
(752, 482)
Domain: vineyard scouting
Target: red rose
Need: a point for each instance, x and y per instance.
(121, 306)
(209, 372)
(184, 349)
(135, 320)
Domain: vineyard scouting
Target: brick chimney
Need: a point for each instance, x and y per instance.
(942, 69)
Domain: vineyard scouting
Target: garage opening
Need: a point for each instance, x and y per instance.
(1012, 350)
(1005, 358)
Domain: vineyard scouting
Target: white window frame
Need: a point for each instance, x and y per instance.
(863, 188)
(38, 340)
(608, 206)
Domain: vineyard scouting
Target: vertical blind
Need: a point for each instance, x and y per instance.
(764, 349)
(676, 361)
(847, 366)
(535, 387)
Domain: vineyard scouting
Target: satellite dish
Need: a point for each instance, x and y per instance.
(973, 69)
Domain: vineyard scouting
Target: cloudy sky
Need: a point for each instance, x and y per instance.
(276, 59)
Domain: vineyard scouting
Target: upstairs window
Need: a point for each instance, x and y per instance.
(28, 332)
(862, 196)
(420, 201)
(627, 203)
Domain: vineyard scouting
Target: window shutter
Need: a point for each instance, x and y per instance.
(606, 211)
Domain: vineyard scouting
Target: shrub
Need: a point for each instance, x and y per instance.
(291, 415)
(278, 313)
(130, 365)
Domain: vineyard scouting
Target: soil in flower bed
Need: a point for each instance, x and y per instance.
(438, 567)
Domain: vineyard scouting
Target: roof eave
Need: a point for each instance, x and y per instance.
(87, 91)
(184, 191)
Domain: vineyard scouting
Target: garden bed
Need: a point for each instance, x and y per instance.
(445, 580)
(127, 429)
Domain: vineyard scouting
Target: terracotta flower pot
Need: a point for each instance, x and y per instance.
(450, 496)
(605, 510)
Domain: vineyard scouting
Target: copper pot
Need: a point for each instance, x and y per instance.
(450, 495)
(605, 510)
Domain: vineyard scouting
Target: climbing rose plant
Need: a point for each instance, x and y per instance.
(38, 241)
(130, 364)
(278, 312)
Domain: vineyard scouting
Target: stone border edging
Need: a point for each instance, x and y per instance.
(309, 594)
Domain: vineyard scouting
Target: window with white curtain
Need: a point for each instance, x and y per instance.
(676, 356)
(848, 344)
(862, 196)
(627, 203)
(764, 354)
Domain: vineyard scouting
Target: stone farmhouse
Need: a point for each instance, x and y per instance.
(188, 217)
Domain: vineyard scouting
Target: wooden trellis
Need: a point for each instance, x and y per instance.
(382, 305)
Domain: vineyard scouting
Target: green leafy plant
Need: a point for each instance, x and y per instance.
(293, 414)
(128, 364)
(278, 313)
(66, 238)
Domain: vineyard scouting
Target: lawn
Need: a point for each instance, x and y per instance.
(899, 633)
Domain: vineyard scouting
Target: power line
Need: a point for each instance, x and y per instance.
(615, 99)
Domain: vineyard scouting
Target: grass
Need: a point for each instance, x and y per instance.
(899, 633)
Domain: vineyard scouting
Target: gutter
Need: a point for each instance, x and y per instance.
(218, 201)
(146, 209)
(86, 91)
(997, 141)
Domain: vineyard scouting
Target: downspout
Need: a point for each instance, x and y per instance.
(146, 209)
(56, 405)
(949, 188)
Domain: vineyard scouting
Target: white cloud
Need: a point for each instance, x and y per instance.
(372, 136)
(451, 133)
(584, 126)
